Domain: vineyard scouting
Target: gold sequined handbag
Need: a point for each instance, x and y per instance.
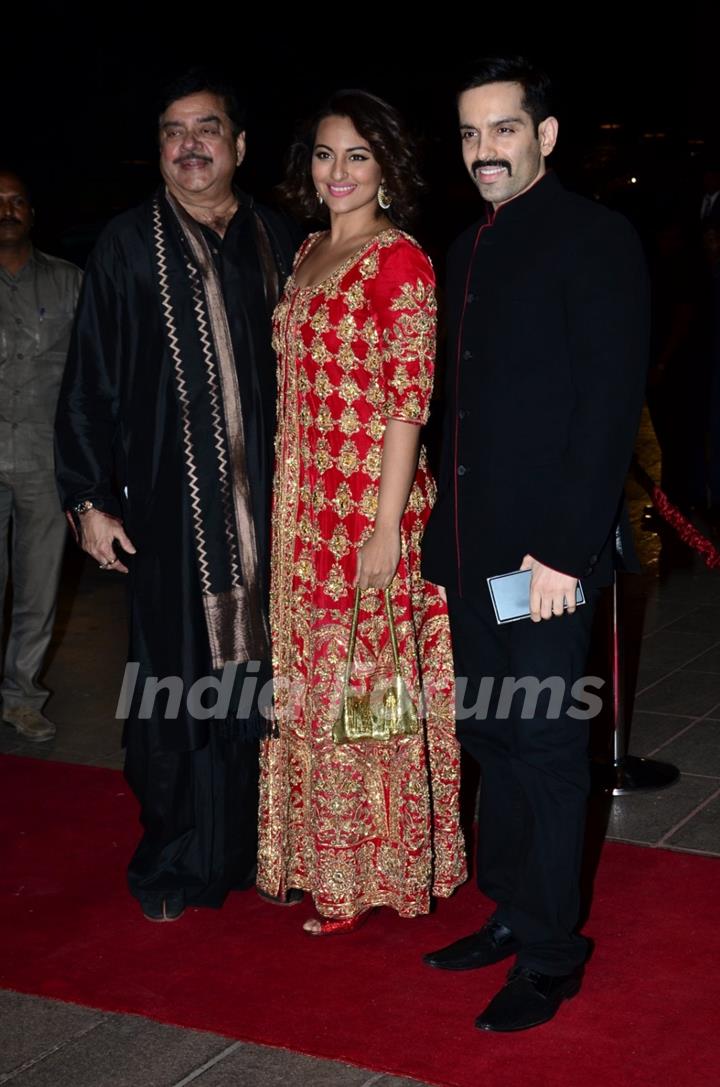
(378, 715)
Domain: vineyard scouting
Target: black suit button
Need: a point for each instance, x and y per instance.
(462, 470)
(463, 413)
(467, 354)
(471, 298)
(593, 559)
(587, 573)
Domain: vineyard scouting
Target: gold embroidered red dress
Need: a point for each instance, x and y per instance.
(371, 823)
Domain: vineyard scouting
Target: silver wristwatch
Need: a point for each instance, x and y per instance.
(83, 507)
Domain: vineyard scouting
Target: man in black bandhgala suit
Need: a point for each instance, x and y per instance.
(548, 318)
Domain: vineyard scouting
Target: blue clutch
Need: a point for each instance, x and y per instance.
(510, 595)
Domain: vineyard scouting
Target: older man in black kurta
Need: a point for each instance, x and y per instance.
(164, 445)
(548, 313)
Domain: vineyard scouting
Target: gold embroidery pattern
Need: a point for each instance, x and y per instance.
(349, 422)
(409, 350)
(361, 824)
(343, 500)
(348, 459)
(322, 385)
(348, 389)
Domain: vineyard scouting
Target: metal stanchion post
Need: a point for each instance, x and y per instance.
(630, 772)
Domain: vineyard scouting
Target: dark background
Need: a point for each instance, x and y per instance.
(78, 93)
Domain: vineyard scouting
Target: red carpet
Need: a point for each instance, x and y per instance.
(648, 1013)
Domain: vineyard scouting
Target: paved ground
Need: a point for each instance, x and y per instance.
(673, 613)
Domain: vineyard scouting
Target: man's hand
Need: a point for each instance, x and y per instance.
(98, 532)
(549, 590)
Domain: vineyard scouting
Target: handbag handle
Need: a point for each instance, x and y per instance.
(353, 634)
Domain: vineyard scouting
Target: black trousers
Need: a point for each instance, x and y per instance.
(535, 770)
(198, 810)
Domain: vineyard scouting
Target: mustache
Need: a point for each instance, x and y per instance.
(10, 219)
(188, 156)
(479, 163)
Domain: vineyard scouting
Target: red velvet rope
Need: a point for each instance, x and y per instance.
(685, 530)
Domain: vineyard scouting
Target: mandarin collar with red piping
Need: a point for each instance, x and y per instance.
(529, 202)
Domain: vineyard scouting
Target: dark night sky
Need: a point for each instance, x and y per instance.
(78, 93)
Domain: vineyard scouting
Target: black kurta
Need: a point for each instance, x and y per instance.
(118, 443)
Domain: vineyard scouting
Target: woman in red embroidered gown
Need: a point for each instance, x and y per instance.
(373, 823)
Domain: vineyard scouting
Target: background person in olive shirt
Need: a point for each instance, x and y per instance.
(37, 300)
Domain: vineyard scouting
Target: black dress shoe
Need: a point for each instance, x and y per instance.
(528, 999)
(163, 907)
(492, 943)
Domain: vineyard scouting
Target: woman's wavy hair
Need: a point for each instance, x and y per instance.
(382, 126)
